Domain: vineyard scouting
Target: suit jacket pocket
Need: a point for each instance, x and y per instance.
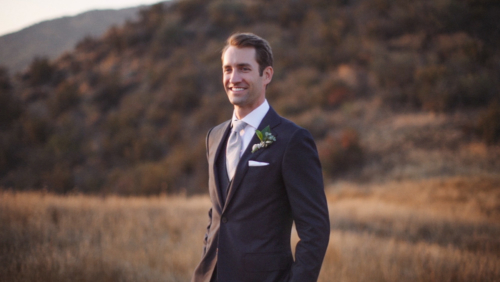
(259, 262)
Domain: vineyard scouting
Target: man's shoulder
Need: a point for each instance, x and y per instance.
(218, 129)
(221, 126)
(283, 123)
(289, 124)
(291, 127)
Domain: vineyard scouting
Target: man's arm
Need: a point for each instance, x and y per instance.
(304, 183)
(205, 239)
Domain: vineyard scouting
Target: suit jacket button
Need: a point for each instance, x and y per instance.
(224, 219)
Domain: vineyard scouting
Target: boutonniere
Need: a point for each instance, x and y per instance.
(266, 138)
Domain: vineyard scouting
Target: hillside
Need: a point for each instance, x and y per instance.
(53, 37)
(390, 90)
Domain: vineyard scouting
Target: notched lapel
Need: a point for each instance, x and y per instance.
(272, 119)
(219, 137)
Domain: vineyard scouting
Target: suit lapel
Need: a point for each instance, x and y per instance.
(272, 119)
(219, 138)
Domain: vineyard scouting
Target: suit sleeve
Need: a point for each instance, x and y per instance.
(208, 230)
(210, 210)
(304, 184)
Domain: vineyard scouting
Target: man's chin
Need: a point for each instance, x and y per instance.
(237, 101)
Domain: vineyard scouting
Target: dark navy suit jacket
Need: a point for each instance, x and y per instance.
(248, 235)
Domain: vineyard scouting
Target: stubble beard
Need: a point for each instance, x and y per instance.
(238, 101)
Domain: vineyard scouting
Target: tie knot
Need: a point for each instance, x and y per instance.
(238, 125)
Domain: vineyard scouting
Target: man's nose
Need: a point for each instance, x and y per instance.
(234, 77)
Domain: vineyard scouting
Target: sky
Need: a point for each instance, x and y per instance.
(18, 14)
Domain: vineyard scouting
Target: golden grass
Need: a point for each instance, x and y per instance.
(82, 238)
(429, 230)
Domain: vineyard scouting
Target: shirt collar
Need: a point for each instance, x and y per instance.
(256, 116)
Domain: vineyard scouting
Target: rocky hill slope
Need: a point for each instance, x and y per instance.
(389, 90)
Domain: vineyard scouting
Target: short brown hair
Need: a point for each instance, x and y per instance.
(263, 52)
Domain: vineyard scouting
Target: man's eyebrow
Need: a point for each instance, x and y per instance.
(244, 65)
(238, 65)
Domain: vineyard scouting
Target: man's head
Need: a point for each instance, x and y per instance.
(247, 70)
(263, 51)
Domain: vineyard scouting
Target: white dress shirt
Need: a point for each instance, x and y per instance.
(252, 120)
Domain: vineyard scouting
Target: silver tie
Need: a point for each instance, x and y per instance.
(234, 148)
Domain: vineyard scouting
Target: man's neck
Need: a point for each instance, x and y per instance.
(255, 117)
(242, 112)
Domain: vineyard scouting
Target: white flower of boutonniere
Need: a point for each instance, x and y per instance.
(266, 138)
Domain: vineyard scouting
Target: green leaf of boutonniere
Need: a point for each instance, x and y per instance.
(266, 138)
(259, 134)
(267, 129)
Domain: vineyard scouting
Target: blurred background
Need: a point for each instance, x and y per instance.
(389, 90)
(402, 98)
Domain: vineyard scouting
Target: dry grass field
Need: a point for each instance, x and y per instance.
(440, 229)
(46, 237)
(429, 230)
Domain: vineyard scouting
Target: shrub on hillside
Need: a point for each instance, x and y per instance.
(87, 44)
(340, 153)
(116, 39)
(5, 83)
(443, 88)
(9, 151)
(36, 128)
(299, 91)
(170, 34)
(190, 9)
(65, 144)
(224, 14)
(488, 125)
(40, 71)
(143, 179)
(59, 179)
(10, 106)
(109, 91)
(65, 98)
(10, 111)
(183, 90)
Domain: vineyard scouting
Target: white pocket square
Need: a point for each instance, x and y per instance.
(255, 163)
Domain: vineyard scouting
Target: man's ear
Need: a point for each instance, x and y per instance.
(268, 74)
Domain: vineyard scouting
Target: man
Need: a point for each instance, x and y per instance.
(260, 183)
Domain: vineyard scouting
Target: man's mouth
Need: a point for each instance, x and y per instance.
(237, 89)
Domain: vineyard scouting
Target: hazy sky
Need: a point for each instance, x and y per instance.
(18, 14)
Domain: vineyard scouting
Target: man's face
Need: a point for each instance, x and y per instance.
(244, 86)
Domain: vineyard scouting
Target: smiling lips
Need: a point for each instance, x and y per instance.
(237, 89)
